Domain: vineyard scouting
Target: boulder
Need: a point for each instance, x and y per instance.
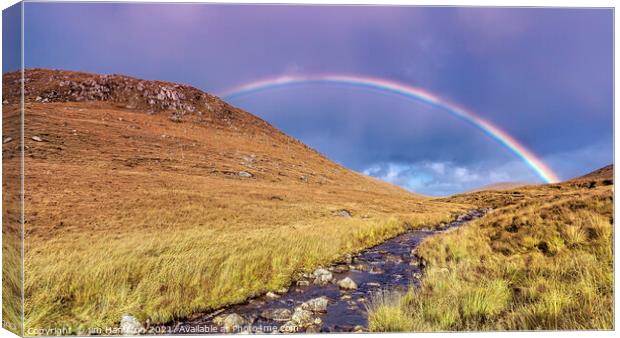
(316, 304)
(272, 295)
(344, 213)
(302, 318)
(175, 118)
(219, 320)
(130, 325)
(234, 322)
(244, 174)
(347, 284)
(322, 276)
(289, 327)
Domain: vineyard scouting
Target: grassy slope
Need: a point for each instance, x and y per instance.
(11, 237)
(128, 212)
(541, 260)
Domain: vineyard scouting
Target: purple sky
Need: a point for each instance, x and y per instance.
(543, 75)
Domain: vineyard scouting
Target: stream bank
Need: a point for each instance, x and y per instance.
(328, 300)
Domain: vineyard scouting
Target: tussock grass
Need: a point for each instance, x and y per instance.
(388, 313)
(542, 262)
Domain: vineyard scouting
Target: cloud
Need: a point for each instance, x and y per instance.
(447, 178)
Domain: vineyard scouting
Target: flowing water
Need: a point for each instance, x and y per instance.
(391, 265)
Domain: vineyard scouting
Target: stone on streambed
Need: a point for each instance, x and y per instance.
(272, 295)
(375, 270)
(394, 259)
(302, 318)
(322, 276)
(347, 284)
(359, 267)
(313, 329)
(316, 304)
(234, 322)
(417, 261)
(130, 325)
(339, 268)
(289, 327)
(302, 283)
(278, 314)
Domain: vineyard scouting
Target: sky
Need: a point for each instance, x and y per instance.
(542, 75)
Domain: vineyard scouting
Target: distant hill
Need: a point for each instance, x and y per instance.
(606, 172)
(501, 186)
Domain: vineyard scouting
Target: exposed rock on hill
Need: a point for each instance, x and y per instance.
(182, 102)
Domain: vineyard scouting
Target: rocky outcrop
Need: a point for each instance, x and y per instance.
(180, 102)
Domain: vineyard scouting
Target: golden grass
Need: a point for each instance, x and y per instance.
(120, 219)
(544, 262)
(204, 258)
(12, 312)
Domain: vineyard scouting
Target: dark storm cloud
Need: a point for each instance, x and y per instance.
(543, 75)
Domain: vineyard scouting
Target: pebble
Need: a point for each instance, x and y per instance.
(38, 139)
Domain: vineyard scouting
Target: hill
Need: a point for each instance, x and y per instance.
(604, 173)
(502, 186)
(160, 200)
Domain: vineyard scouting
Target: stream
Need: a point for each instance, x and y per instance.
(317, 303)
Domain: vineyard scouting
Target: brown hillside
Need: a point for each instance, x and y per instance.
(177, 200)
(97, 129)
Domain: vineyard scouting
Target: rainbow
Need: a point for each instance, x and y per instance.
(417, 94)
